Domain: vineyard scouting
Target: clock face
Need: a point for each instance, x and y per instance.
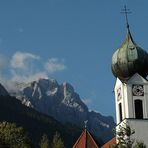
(138, 90)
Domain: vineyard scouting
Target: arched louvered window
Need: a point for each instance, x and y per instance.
(120, 112)
(138, 109)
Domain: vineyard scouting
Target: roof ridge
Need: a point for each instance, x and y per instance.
(92, 139)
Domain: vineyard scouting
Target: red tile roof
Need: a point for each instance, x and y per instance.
(109, 143)
(85, 141)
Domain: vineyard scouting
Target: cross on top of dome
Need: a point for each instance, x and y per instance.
(126, 12)
(129, 58)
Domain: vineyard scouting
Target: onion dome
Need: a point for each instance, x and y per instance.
(129, 59)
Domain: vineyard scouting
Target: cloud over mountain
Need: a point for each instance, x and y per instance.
(25, 66)
(20, 59)
(54, 64)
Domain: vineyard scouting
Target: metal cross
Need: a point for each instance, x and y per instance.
(126, 12)
(85, 124)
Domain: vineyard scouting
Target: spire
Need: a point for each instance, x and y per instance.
(85, 124)
(128, 38)
(126, 12)
(129, 58)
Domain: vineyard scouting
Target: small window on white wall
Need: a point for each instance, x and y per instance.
(120, 112)
(138, 109)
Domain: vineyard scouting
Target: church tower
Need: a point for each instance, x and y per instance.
(130, 67)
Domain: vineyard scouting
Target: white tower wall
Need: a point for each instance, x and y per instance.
(135, 90)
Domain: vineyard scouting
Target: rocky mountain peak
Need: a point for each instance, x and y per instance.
(68, 90)
(64, 104)
(47, 83)
(68, 87)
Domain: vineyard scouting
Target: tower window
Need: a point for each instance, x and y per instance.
(138, 109)
(120, 112)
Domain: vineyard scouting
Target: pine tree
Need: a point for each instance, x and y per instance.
(13, 136)
(57, 141)
(44, 143)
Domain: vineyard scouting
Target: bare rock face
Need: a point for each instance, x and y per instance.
(64, 104)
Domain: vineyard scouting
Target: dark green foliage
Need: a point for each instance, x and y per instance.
(124, 136)
(3, 144)
(124, 139)
(140, 144)
(57, 141)
(44, 143)
(12, 136)
(35, 123)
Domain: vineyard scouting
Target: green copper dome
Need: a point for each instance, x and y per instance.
(129, 59)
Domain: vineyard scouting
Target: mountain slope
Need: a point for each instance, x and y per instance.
(3, 91)
(64, 104)
(35, 123)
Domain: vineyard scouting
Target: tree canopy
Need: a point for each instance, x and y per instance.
(57, 141)
(125, 139)
(44, 143)
(12, 136)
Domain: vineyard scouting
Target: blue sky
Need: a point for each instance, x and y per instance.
(68, 40)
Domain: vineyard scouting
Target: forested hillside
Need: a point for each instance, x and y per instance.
(34, 123)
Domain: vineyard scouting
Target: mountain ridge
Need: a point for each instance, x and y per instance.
(64, 104)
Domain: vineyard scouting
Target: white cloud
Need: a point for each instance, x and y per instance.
(91, 98)
(27, 67)
(93, 94)
(9, 85)
(87, 101)
(54, 65)
(19, 59)
(24, 77)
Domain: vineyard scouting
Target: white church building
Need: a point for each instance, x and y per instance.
(130, 67)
